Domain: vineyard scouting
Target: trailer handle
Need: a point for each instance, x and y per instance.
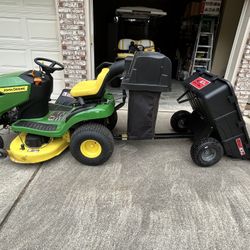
(179, 100)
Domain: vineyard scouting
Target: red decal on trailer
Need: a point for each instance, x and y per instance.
(200, 83)
(240, 147)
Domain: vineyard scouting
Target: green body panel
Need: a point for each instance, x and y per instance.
(13, 99)
(100, 111)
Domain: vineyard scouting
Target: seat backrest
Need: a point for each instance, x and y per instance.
(123, 44)
(92, 89)
(100, 83)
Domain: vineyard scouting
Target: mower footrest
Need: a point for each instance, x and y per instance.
(36, 125)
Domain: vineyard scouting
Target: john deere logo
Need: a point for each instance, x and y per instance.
(13, 89)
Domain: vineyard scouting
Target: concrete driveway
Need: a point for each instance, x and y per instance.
(149, 195)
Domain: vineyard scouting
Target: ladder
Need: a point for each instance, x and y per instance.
(203, 49)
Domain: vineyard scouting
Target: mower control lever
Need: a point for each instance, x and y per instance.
(48, 68)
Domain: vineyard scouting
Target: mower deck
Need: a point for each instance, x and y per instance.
(23, 154)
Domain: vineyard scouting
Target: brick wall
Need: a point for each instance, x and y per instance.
(242, 86)
(72, 34)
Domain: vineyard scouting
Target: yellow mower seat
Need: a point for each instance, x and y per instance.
(91, 87)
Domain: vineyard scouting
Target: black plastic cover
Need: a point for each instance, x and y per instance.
(149, 71)
(38, 104)
(66, 98)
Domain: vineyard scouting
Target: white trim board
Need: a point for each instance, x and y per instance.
(239, 44)
(89, 20)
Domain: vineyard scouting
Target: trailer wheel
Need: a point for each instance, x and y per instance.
(1, 142)
(92, 144)
(112, 121)
(3, 153)
(179, 121)
(206, 152)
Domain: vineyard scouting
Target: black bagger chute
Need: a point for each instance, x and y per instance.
(146, 76)
(216, 113)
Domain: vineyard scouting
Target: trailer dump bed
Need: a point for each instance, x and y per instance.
(216, 113)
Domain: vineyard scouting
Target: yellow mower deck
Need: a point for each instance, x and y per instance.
(46, 152)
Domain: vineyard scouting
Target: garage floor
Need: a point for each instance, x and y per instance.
(168, 99)
(148, 196)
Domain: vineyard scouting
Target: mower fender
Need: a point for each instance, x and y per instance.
(99, 112)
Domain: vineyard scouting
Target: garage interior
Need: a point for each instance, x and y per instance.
(174, 34)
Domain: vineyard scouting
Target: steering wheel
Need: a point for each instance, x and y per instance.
(51, 67)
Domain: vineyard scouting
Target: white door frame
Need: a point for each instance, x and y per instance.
(89, 20)
(239, 44)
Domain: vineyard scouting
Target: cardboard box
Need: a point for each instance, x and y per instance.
(211, 7)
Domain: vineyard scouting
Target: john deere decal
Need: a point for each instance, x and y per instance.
(13, 89)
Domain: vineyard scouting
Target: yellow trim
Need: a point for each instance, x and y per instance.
(89, 88)
(13, 89)
(147, 49)
(91, 148)
(124, 55)
(35, 155)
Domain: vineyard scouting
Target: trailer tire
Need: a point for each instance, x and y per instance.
(206, 152)
(92, 144)
(1, 142)
(179, 121)
(112, 121)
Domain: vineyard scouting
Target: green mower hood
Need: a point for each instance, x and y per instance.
(13, 91)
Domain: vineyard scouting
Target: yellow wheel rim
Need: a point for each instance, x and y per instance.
(91, 148)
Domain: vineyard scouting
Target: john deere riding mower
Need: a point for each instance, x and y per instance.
(82, 121)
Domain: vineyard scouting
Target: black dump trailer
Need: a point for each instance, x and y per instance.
(216, 117)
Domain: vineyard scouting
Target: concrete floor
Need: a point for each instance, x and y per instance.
(168, 99)
(149, 195)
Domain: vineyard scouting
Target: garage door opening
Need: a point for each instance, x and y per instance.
(163, 31)
(174, 34)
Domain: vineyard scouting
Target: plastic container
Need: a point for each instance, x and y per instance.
(148, 71)
(146, 76)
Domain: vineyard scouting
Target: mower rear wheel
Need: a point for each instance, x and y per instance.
(1, 142)
(206, 152)
(3, 153)
(92, 144)
(179, 121)
(112, 121)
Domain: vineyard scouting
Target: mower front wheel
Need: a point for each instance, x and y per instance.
(206, 152)
(179, 121)
(1, 142)
(92, 144)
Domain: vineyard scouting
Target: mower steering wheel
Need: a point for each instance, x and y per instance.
(51, 68)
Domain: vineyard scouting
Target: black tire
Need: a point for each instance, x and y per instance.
(3, 153)
(179, 121)
(101, 137)
(206, 152)
(112, 121)
(1, 142)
